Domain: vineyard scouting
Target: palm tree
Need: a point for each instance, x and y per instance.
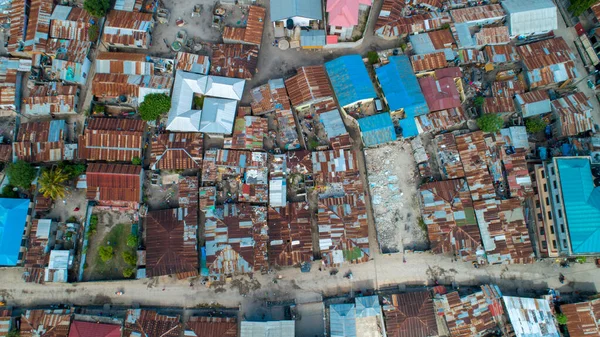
(52, 183)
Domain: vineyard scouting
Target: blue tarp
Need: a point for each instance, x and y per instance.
(377, 129)
(581, 202)
(13, 217)
(350, 80)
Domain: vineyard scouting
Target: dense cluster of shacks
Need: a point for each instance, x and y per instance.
(251, 206)
(434, 312)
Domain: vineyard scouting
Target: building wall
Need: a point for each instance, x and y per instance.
(547, 241)
(557, 212)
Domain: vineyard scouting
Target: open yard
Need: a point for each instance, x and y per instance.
(112, 230)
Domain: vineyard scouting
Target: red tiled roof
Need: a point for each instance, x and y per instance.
(88, 329)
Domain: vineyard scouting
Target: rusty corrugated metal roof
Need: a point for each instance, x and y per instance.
(541, 58)
(38, 26)
(192, 62)
(68, 50)
(270, 97)
(309, 84)
(234, 60)
(112, 139)
(411, 315)
(74, 27)
(492, 35)
(39, 142)
(477, 13)
(248, 133)
(475, 154)
(428, 61)
(172, 242)
(18, 22)
(253, 31)
(46, 323)
(438, 121)
(131, 29)
(213, 326)
(508, 88)
(35, 259)
(114, 184)
(176, 151)
(574, 114)
(499, 105)
(582, 318)
(334, 168)
(290, 238)
(123, 63)
(150, 323)
(391, 21)
(441, 94)
(502, 54)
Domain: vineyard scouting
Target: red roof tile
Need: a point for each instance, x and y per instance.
(88, 329)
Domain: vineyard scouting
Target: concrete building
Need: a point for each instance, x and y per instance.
(534, 17)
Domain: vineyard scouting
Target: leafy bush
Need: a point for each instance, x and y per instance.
(478, 101)
(373, 57)
(535, 125)
(14, 333)
(581, 259)
(106, 253)
(136, 161)
(132, 241)
(128, 272)
(154, 105)
(561, 319)
(490, 123)
(20, 174)
(94, 220)
(129, 258)
(72, 170)
(578, 7)
(96, 8)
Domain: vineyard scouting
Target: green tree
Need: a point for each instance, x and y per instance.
(577, 7)
(93, 33)
(535, 125)
(14, 333)
(132, 241)
(8, 192)
(52, 183)
(478, 101)
(129, 258)
(20, 174)
(128, 272)
(154, 105)
(136, 160)
(373, 57)
(96, 8)
(561, 318)
(106, 253)
(490, 123)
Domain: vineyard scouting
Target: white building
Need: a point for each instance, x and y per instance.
(532, 17)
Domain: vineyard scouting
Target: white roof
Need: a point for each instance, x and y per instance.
(225, 87)
(268, 329)
(532, 16)
(43, 229)
(217, 114)
(59, 259)
(530, 317)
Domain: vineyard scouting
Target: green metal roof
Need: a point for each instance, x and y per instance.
(582, 210)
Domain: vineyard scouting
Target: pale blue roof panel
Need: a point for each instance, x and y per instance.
(350, 79)
(377, 129)
(13, 217)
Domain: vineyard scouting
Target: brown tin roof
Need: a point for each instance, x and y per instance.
(309, 84)
(176, 151)
(234, 60)
(290, 238)
(114, 182)
(112, 139)
(213, 326)
(150, 323)
(411, 315)
(582, 318)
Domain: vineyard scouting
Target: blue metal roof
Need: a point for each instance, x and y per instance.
(400, 86)
(312, 38)
(350, 79)
(377, 129)
(333, 123)
(409, 127)
(283, 9)
(581, 201)
(13, 217)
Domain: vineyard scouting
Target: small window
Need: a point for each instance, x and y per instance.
(553, 244)
(552, 230)
(549, 215)
(562, 228)
(557, 199)
(545, 188)
(537, 204)
(560, 216)
(544, 245)
(554, 184)
(542, 231)
(543, 174)
(552, 170)
(547, 201)
(565, 243)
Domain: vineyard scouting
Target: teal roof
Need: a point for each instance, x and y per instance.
(350, 80)
(377, 129)
(582, 208)
(13, 217)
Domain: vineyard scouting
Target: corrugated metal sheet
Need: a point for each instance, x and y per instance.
(492, 35)
(312, 38)
(410, 315)
(176, 151)
(533, 103)
(234, 60)
(330, 168)
(269, 328)
(248, 133)
(582, 318)
(172, 242)
(332, 124)
(574, 114)
(38, 26)
(128, 29)
(71, 23)
(428, 61)
(475, 155)
(50, 323)
(270, 97)
(123, 63)
(377, 129)
(440, 120)
(69, 50)
(392, 21)
(478, 13)
(530, 17)
(508, 88)
(211, 327)
(499, 105)
(140, 322)
(310, 84)
(288, 134)
(284, 9)
(290, 238)
(36, 257)
(531, 317)
(114, 184)
(502, 54)
(39, 142)
(548, 62)
(112, 139)
(18, 22)
(199, 64)
(252, 33)
(350, 80)
(440, 94)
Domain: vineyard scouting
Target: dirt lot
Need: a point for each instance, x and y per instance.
(160, 196)
(112, 229)
(74, 205)
(391, 175)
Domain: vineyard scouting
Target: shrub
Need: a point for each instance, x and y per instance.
(129, 258)
(97, 8)
(7, 192)
(132, 241)
(373, 57)
(154, 105)
(581, 259)
(14, 333)
(20, 174)
(106, 253)
(561, 319)
(93, 33)
(128, 272)
(136, 161)
(535, 125)
(478, 101)
(490, 123)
